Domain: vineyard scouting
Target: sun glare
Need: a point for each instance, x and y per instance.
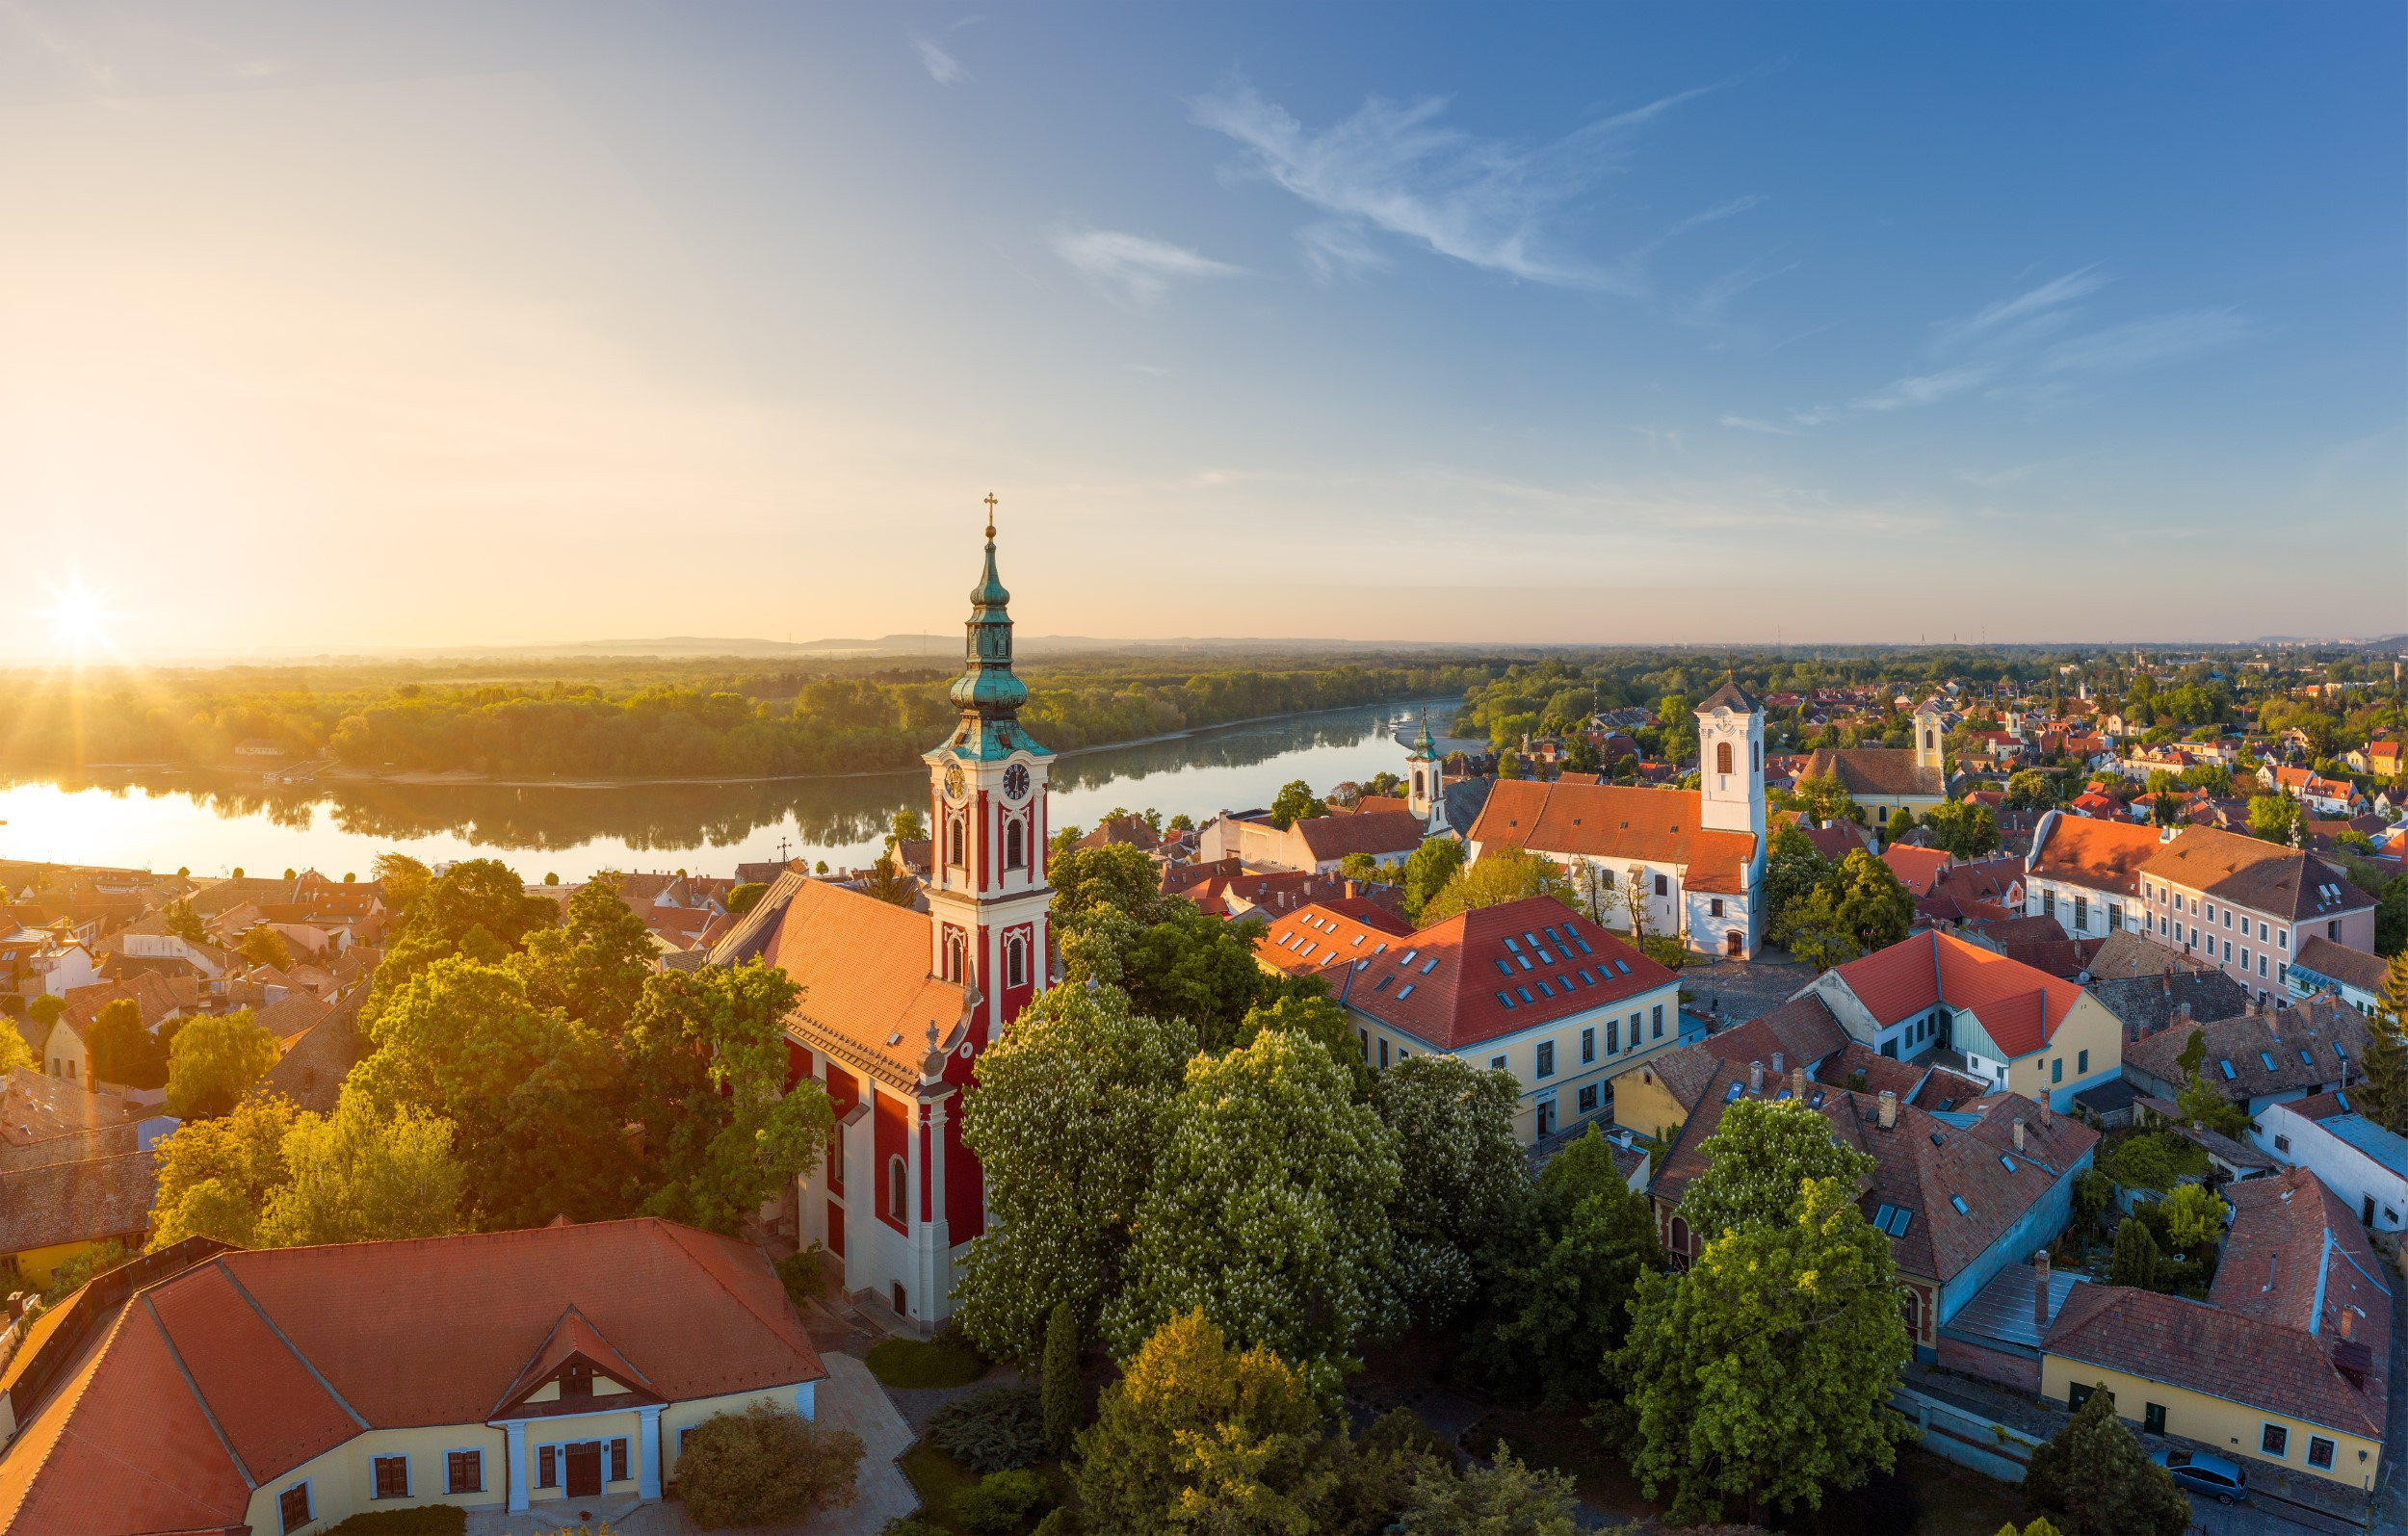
(79, 623)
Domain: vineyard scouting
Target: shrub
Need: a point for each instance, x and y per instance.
(765, 1466)
(419, 1520)
(1062, 1521)
(803, 1276)
(911, 1525)
(1000, 1501)
(1065, 1393)
(993, 1430)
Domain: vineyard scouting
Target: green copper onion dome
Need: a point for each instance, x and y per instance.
(988, 686)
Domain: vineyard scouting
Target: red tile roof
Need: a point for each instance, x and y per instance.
(1377, 833)
(1614, 821)
(2269, 1332)
(2100, 855)
(1325, 934)
(1442, 984)
(295, 1350)
(2266, 877)
(868, 994)
(2019, 1007)
(1918, 869)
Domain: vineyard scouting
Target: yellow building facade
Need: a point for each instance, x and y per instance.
(2236, 1429)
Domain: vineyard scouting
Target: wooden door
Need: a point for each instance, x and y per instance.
(585, 1469)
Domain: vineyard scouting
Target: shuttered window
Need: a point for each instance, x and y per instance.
(464, 1471)
(618, 1461)
(392, 1476)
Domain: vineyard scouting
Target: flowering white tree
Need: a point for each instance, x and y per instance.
(1267, 1207)
(1066, 1119)
(1465, 1185)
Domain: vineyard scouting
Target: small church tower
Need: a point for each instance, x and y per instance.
(988, 901)
(1931, 735)
(1424, 782)
(1731, 764)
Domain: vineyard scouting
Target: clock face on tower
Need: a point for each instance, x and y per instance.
(1016, 782)
(954, 781)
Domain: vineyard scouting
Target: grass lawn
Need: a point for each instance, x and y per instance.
(915, 1363)
(938, 1477)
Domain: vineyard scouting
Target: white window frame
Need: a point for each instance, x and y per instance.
(374, 1461)
(449, 1451)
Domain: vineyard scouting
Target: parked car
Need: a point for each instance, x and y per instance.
(2199, 1472)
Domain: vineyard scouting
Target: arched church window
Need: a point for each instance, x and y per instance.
(1417, 781)
(1680, 1236)
(956, 842)
(1014, 852)
(1722, 757)
(1755, 756)
(1016, 962)
(898, 1188)
(1926, 739)
(954, 956)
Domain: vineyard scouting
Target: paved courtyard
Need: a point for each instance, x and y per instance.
(1735, 991)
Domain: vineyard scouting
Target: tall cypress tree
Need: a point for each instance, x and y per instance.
(1063, 1394)
(2136, 1258)
(2381, 1094)
(2094, 1474)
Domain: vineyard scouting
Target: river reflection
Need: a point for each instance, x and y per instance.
(212, 823)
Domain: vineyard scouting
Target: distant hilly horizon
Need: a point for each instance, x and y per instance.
(943, 648)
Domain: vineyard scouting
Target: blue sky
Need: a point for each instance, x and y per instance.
(1632, 324)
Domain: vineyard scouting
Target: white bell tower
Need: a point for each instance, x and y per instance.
(1931, 735)
(1731, 764)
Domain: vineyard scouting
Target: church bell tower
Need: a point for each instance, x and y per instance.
(988, 901)
(1731, 764)
(1425, 782)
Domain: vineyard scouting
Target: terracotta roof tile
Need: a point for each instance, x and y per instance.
(2019, 1008)
(2262, 877)
(863, 964)
(1875, 770)
(1442, 985)
(1325, 933)
(1614, 821)
(2097, 854)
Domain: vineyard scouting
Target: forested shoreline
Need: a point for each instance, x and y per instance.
(662, 723)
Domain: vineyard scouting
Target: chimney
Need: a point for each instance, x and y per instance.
(1778, 1063)
(2181, 1015)
(1888, 1109)
(1797, 1082)
(2019, 1135)
(1353, 890)
(2048, 1115)
(2349, 1324)
(1755, 1077)
(2040, 1289)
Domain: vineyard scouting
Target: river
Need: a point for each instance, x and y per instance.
(212, 823)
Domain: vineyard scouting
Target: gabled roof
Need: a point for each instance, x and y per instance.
(1876, 771)
(2263, 1052)
(54, 1203)
(36, 1106)
(1923, 1165)
(573, 1337)
(1317, 936)
(2263, 877)
(868, 994)
(1802, 1031)
(1377, 833)
(238, 1369)
(2100, 855)
(2019, 1007)
(1917, 869)
(2268, 1333)
(1445, 983)
(2340, 963)
(1609, 822)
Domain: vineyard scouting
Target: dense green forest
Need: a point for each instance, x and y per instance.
(642, 721)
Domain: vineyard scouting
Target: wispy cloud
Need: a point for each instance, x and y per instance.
(1924, 389)
(2158, 339)
(2006, 314)
(1132, 268)
(1750, 423)
(1704, 306)
(1399, 169)
(942, 66)
(1335, 248)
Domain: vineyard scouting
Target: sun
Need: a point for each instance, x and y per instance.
(79, 620)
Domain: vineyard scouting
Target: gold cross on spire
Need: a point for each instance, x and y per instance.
(991, 514)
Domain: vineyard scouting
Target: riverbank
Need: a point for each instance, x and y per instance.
(469, 777)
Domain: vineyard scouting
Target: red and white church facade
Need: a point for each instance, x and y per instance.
(897, 1005)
